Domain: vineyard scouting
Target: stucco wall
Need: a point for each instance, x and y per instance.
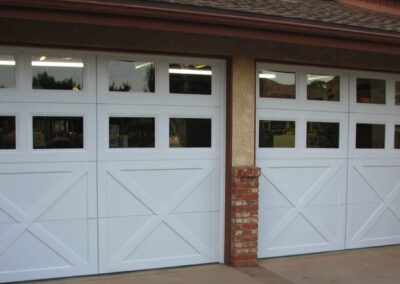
(243, 53)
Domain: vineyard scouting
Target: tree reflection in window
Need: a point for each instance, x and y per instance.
(47, 82)
(131, 76)
(323, 87)
(54, 132)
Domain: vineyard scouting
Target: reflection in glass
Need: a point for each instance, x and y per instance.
(281, 85)
(7, 132)
(131, 132)
(57, 132)
(7, 72)
(57, 73)
(189, 132)
(371, 91)
(131, 76)
(397, 93)
(370, 136)
(323, 87)
(397, 136)
(277, 134)
(322, 134)
(190, 79)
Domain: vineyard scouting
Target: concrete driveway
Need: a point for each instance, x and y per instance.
(376, 265)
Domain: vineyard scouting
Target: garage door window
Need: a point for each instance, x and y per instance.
(370, 136)
(397, 92)
(190, 79)
(131, 132)
(322, 134)
(7, 132)
(397, 136)
(57, 73)
(131, 76)
(281, 85)
(56, 132)
(189, 133)
(371, 91)
(323, 87)
(7, 72)
(277, 134)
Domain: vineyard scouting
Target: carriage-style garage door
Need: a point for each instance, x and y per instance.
(108, 162)
(328, 144)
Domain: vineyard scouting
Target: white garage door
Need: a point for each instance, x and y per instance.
(108, 162)
(326, 144)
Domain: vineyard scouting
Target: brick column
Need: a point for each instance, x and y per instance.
(244, 216)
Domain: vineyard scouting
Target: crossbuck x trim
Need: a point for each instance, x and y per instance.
(28, 221)
(162, 213)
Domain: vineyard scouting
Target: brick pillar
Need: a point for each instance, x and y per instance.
(244, 216)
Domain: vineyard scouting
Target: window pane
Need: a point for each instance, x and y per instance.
(277, 134)
(322, 135)
(7, 132)
(189, 132)
(370, 136)
(323, 87)
(57, 73)
(190, 79)
(131, 132)
(7, 71)
(397, 93)
(281, 85)
(56, 132)
(371, 91)
(397, 136)
(131, 76)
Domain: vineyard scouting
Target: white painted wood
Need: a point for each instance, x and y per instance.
(373, 203)
(47, 220)
(302, 206)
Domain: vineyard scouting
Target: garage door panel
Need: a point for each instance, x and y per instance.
(302, 206)
(45, 249)
(177, 219)
(374, 207)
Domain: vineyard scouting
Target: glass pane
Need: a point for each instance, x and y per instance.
(189, 132)
(131, 132)
(57, 73)
(397, 93)
(281, 85)
(370, 136)
(323, 87)
(7, 71)
(7, 132)
(322, 135)
(371, 91)
(57, 132)
(190, 79)
(277, 134)
(131, 76)
(397, 136)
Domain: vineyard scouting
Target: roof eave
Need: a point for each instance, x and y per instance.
(191, 20)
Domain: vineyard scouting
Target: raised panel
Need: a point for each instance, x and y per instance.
(302, 206)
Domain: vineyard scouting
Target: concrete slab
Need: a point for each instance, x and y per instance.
(376, 265)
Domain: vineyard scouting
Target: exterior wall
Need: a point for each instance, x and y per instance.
(242, 54)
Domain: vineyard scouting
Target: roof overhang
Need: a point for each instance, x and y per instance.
(200, 21)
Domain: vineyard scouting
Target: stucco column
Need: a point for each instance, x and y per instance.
(243, 218)
(243, 110)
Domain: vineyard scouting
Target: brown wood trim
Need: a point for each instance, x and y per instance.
(387, 8)
(263, 60)
(202, 22)
(228, 162)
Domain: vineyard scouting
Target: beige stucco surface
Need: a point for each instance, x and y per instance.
(243, 53)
